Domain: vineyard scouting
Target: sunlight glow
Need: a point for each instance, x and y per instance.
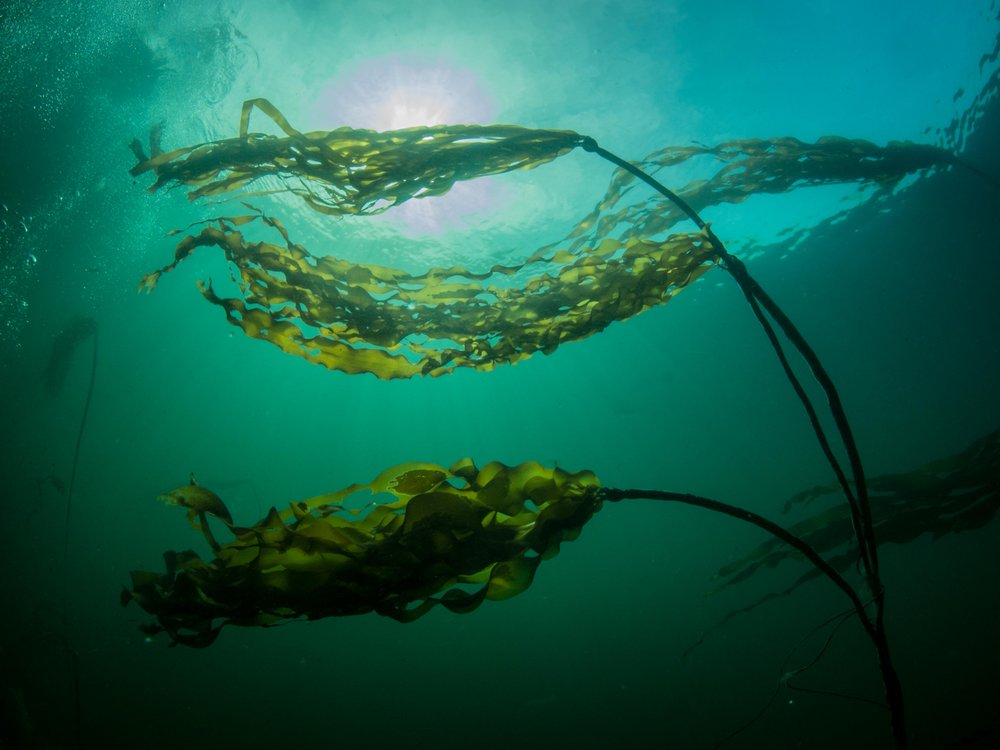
(398, 91)
(401, 91)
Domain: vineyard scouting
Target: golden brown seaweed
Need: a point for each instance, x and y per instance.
(617, 262)
(348, 171)
(363, 318)
(454, 537)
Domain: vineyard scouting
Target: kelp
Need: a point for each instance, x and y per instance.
(347, 170)
(452, 537)
(331, 317)
(73, 333)
(946, 496)
(615, 263)
(757, 166)
(77, 330)
(356, 317)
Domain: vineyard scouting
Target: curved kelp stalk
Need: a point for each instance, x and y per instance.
(69, 338)
(615, 263)
(946, 496)
(855, 490)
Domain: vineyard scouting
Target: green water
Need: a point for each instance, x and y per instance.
(899, 300)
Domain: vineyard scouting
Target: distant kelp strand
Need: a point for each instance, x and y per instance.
(758, 166)
(945, 496)
(77, 330)
(73, 333)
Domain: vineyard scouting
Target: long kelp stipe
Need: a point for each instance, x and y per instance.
(358, 318)
(75, 332)
(856, 493)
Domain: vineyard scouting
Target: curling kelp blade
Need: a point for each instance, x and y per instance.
(621, 259)
(348, 171)
(454, 537)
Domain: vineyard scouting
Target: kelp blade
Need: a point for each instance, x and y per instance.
(358, 318)
(350, 171)
(618, 261)
(453, 537)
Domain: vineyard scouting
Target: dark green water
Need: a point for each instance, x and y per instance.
(900, 303)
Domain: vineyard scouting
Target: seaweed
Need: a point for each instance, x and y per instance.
(348, 171)
(946, 496)
(73, 333)
(461, 526)
(612, 265)
(443, 531)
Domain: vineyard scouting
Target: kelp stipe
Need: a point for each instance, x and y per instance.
(64, 346)
(74, 333)
(856, 492)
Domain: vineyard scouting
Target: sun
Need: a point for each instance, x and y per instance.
(402, 91)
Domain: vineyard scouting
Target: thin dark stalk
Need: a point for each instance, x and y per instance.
(786, 676)
(859, 503)
(615, 495)
(755, 294)
(74, 659)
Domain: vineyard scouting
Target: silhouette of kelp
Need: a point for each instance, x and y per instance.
(945, 496)
(64, 346)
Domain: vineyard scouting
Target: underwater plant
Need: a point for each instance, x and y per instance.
(442, 531)
(73, 333)
(76, 331)
(945, 496)
(448, 529)
(354, 317)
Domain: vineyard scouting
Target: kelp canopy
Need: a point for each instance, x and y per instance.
(453, 537)
(348, 171)
(617, 262)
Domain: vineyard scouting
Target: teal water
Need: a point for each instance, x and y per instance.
(898, 299)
